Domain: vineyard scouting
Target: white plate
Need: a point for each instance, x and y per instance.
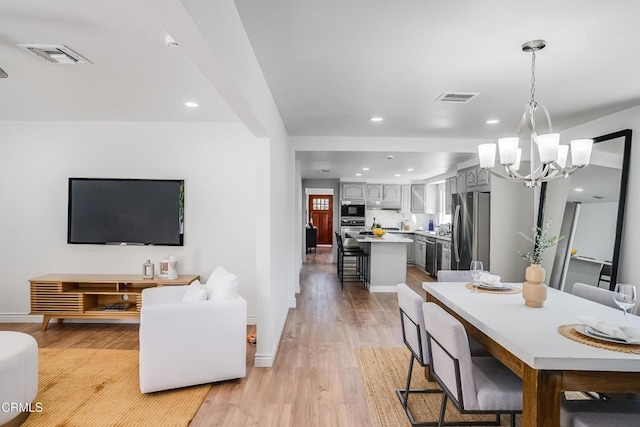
(592, 333)
(493, 287)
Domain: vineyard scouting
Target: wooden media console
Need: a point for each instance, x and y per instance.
(93, 296)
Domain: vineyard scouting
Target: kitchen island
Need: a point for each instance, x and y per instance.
(387, 260)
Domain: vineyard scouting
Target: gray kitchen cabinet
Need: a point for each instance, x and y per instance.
(483, 181)
(410, 248)
(352, 191)
(443, 255)
(450, 189)
(431, 200)
(391, 193)
(418, 198)
(374, 193)
(405, 203)
(461, 182)
(472, 178)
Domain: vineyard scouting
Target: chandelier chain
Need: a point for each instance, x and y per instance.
(533, 77)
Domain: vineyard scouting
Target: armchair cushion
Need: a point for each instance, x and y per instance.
(195, 292)
(222, 284)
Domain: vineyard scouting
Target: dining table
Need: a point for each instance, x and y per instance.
(527, 340)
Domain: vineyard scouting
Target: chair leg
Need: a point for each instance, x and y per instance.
(513, 420)
(403, 395)
(443, 409)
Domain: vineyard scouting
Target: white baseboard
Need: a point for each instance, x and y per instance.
(265, 360)
(391, 289)
(36, 318)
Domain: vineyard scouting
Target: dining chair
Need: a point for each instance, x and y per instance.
(414, 336)
(595, 294)
(598, 413)
(455, 276)
(477, 349)
(475, 385)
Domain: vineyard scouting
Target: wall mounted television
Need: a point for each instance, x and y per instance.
(126, 211)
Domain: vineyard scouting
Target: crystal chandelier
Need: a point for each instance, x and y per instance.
(552, 155)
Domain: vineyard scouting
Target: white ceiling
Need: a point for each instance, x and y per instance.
(333, 64)
(134, 75)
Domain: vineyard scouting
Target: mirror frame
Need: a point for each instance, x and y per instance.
(622, 200)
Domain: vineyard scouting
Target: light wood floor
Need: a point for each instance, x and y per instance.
(315, 380)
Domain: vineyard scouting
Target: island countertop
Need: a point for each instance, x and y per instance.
(386, 238)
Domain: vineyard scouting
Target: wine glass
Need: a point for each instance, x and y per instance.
(625, 297)
(476, 270)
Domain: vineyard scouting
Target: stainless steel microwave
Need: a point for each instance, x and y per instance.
(352, 210)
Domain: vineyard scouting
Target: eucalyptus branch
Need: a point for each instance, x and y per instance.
(541, 242)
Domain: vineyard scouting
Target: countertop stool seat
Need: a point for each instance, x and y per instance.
(18, 376)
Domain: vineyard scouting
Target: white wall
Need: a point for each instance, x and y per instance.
(217, 162)
(512, 210)
(596, 230)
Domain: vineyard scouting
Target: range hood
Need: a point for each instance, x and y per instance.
(387, 206)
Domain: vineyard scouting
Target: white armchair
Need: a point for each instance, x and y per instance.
(190, 343)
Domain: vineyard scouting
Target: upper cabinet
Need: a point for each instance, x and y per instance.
(418, 197)
(352, 191)
(374, 193)
(424, 198)
(477, 179)
(406, 198)
(451, 188)
(461, 182)
(392, 193)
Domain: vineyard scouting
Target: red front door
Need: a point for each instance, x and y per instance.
(321, 213)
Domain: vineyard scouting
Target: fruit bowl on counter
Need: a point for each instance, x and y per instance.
(379, 232)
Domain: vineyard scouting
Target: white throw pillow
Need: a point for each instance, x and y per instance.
(195, 292)
(222, 284)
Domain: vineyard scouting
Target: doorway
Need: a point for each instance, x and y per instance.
(321, 215)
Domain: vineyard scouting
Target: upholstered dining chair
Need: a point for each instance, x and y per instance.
(595, 294)
(475, 385)
(477, 349)
(414, 336)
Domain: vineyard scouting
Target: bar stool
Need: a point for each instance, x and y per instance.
(361, 259)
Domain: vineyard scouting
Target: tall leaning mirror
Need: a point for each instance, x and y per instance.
(589, 208)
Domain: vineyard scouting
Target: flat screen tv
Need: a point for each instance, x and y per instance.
(126, 211)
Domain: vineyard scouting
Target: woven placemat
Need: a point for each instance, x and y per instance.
(490, 291)
(568, 331)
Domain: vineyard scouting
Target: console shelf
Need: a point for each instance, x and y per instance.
(67, 296)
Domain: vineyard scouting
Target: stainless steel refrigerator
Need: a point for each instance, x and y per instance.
(470, 230)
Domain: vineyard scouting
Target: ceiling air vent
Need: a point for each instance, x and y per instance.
(326, 170)
(3, 75)
(457, 97)
(57, 54)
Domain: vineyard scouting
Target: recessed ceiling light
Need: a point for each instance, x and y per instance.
(376, 119)
(390, 157)
(365, 169)
(191, 104)
(358, 174)
(397, 174)
(493, 121)
(578, 189)
(410, 170)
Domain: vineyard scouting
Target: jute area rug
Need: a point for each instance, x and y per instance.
(384, 370)
(85, 387)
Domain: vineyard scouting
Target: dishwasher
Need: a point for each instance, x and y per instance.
(431, 266)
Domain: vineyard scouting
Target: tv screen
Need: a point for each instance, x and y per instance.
(126, 211)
